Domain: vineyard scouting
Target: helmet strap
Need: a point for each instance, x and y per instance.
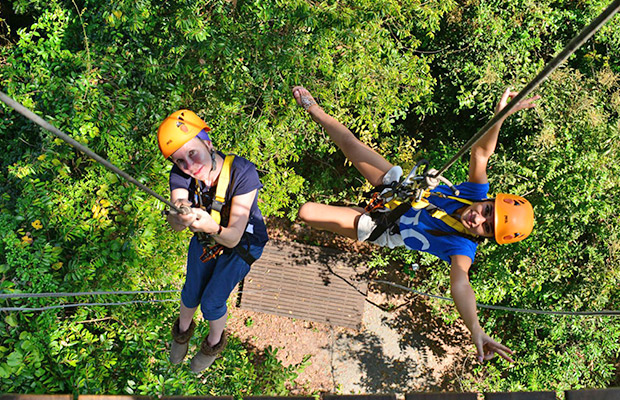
(213, 161)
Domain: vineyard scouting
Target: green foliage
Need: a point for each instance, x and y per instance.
(562, 155)
(411, 78)
(103, 350)
(107, 74)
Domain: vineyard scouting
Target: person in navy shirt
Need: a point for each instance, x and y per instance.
(507, 218)
(220, 253)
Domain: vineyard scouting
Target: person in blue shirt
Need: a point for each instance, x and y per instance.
(507, 218)
(221, 252)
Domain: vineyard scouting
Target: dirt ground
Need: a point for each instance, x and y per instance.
(406, 349)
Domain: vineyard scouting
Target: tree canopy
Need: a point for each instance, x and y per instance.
(413, 79)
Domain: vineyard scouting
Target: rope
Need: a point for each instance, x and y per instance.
(68, 139)
(503, 308)
(570, 48)
(77, 294)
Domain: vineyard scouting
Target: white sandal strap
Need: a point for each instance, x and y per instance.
(307, 102)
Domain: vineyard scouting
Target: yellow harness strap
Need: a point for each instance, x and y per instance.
(436, 212)
(448, 219)
(220, 190)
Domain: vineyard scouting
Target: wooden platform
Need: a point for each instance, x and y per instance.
(307, 282)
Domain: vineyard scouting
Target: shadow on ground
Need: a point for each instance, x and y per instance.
(408, 348)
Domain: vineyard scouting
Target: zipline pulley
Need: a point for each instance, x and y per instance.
(390, 202)
(412, 189)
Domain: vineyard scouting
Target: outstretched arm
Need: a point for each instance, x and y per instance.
(465, 302)
(485, 147)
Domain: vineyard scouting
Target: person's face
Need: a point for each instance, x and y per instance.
(194, 158)
(479, 218)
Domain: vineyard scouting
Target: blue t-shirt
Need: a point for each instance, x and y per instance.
(416, 224)
(243, 180)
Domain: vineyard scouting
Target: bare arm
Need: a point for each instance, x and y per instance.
(239, 215)
(465, 301)
(485, 147)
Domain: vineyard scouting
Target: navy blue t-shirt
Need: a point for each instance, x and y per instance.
(243, 180)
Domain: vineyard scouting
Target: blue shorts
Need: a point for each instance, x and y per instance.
(210, 284)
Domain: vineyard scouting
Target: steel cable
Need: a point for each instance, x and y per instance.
(504, 308)
(570, 48)
(103, 293)
(98, 293)
(68, 139)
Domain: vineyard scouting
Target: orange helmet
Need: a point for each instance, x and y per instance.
(514, 218)
(179, 128)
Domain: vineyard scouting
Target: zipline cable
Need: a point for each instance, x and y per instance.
(84, 305)
(78, 294)
(503, 308)
(434, 296)
(68, 139)
(570, 48)
(98, 293)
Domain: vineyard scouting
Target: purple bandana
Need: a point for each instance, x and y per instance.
(203, 135)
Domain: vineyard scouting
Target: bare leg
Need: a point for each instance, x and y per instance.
(367, 161)
(340, 220)
(216, 328)
(185, 318)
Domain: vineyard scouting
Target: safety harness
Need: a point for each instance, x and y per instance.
(220, 214)
(390, 202)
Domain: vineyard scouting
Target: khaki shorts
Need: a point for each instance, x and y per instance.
(366, 224)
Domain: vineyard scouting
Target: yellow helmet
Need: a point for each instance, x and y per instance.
(179, 128)
(514, 218)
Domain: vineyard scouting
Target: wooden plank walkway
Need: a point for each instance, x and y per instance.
(112, 397)
(359, 397)
(307, 282)
(16, 396)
